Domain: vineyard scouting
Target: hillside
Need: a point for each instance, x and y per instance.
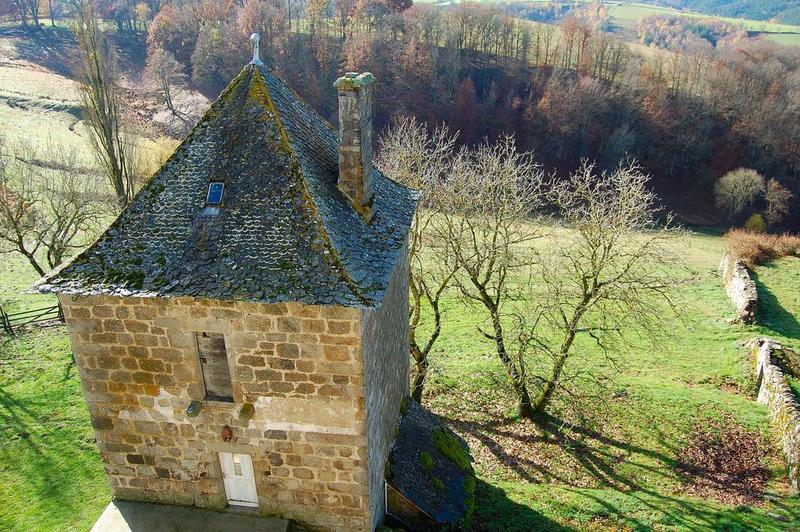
(623, 15)
(626, 14)
(786, 11)
(40, 101)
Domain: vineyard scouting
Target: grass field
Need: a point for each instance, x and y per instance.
(617, 466)
(611, 464)
(629, 12)
(51, 477)
(779, 299)
(37, 102)
(624, 16)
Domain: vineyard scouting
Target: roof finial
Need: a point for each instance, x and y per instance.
(255, 38)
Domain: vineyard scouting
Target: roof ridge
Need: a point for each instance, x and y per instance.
(307, 196)
(330, 127)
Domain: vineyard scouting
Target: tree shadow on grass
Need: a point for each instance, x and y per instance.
(598, 454)
(52, 48)
(47, 448)
(495, 511)
(69, 367)
(772, 314)
(57, 50)
(621, 498)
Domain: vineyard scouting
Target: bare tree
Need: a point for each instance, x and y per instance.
(164, 75)
(778, 200)
(345, 11)
(495, 197)
(102, 103)
(46, 212)
(608, 279)
(424, 161)
(24, 8)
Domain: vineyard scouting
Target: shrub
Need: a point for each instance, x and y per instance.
(739, 189)
(756, 224)
(758, 248)
(779, 198)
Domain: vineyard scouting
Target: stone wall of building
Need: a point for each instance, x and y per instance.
(784, 410)
(741, 288)
(386, 374)
(300, 366)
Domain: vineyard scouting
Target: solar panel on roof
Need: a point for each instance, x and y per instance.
(214, 196)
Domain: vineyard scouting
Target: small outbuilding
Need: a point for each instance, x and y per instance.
(430, 482)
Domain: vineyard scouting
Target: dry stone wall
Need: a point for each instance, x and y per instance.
(784, 411)
(741, 288)
(301, 367)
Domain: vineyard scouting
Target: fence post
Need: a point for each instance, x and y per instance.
(6, 322)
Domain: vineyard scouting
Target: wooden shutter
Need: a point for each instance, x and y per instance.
(214, 362)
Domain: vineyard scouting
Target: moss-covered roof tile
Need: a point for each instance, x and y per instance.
(284, 231)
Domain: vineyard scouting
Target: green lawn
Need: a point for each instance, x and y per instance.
(613, 465)
(15, 278)
(51, 477)
(779, 299)
(610, 465)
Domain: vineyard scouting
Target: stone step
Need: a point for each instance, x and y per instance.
(127, 516)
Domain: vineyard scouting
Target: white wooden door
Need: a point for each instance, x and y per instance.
(240, 481)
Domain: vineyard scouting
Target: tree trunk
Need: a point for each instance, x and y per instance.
(168, 99)
(35, 15)
(517, 380)
(546, 393)
(32, 260)
(419, 379)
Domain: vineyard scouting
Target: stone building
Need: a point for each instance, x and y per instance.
(241, 329)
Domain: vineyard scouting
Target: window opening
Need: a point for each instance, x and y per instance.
(214, 363)
(215, 192)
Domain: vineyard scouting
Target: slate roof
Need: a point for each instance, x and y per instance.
(410, 477)
(284, 232)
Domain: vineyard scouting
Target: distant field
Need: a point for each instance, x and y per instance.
(38, 104)
(785, 39)
(624, 15)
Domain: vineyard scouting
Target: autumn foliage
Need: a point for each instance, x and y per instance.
(759, 248)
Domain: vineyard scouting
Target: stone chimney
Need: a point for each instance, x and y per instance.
(355, 140)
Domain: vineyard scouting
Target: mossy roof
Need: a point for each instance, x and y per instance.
(416, 480)
(284, 231)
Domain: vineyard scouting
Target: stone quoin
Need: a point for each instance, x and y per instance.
(241, 329)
